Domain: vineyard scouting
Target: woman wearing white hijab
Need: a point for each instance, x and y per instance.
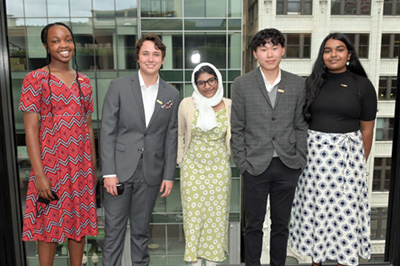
(204, 132)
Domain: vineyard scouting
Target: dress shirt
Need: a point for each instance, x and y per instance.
(149, 97)
(267, 84)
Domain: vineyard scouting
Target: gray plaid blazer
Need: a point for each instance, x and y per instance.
(258, 128)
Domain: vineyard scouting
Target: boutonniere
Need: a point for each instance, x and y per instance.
(167, 105)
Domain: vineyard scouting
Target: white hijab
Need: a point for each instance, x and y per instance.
(207, 116)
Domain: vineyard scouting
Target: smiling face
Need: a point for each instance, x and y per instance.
(336, 56)
(269, 56)
(208, 90)
(149, 59)
(60, 44)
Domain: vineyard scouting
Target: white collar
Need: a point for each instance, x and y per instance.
(141, 81)
(268, 85)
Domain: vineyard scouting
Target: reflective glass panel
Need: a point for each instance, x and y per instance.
(126, 5)
(235, 8)
(35, 8)
(58, 8)
(205, 47)
(161, 8)
(205, 24)
(81, 8)
(103, 5)
(176, 240)
(234, 50)
(161, 24)
(15, 8)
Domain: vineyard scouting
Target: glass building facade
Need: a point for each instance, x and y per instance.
(105, 32)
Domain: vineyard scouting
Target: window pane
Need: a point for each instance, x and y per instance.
(215, 8)
(350, 7)
(294, 6)
(205, 48)
(365, 7)
(130, 5)
(58, 8)
(15, 8)
(205, 24)
(103, 5)
(387, 8)
(176, 237)
(194, 8)
(335, 7)
(235, 8)
(234, 51)
(308, 8)
(32, 10)
(81, 8)
(161, 8)
(279, 7)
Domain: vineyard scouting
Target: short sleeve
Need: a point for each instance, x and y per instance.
(31, 93)
(369, 101)
(87, 90)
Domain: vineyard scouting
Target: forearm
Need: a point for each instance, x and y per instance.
(367, 133)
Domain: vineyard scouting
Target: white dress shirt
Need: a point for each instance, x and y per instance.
(267, 84)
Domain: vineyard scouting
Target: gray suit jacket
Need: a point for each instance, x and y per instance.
(124, 133)
(258, 128)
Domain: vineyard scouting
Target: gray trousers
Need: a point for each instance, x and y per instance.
(136, 203)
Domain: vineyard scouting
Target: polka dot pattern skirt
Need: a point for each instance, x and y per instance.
(331, 214)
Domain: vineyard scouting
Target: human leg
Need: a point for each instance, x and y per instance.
(46, 252)
(256, 189)
(143, 199)
(116, 209)
(76, 251)
(282, 192)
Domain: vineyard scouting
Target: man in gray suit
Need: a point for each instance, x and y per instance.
(269, 144)
(138, 144)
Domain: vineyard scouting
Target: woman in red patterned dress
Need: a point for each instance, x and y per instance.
(57, 103)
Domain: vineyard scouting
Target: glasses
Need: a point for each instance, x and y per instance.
(211, 81)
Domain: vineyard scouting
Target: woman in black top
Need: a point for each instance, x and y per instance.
(331, 213)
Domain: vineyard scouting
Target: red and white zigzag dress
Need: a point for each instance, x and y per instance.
(66, 156)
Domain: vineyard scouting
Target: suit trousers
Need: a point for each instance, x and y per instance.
(279, 182)
(136, 203)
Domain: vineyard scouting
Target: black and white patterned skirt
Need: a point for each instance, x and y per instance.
(331, 214)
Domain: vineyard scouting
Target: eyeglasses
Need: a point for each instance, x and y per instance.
(211, 81)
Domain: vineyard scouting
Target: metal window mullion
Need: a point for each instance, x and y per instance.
(301, 45)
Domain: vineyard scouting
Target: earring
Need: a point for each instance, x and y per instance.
(324, 66)
(348, 63)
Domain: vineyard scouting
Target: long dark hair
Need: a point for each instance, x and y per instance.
(44, 35)
(318, 75)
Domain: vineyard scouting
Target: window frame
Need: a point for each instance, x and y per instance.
(302, 10)
(342, 4)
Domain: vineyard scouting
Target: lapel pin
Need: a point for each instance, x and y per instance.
(343, 85)
(281, 91)
(81, 79)
(158, 101)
